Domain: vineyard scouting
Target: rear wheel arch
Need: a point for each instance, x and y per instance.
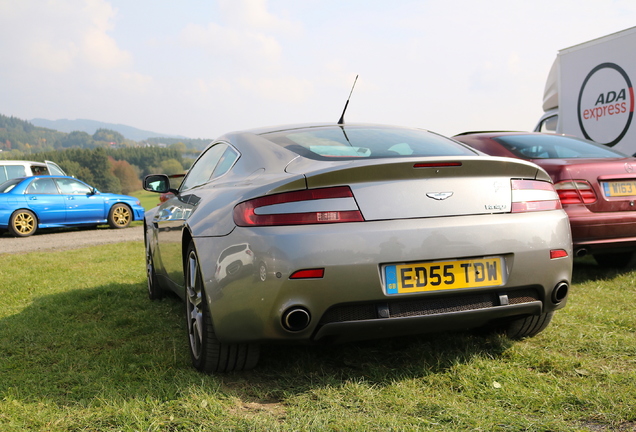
(207, 353)
(186, 240)
(23, 223)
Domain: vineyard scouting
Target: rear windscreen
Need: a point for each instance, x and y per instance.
(555, 147)
(353, 142)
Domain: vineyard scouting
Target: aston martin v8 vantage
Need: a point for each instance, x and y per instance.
(333, 233)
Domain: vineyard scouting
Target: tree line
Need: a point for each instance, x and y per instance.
(115, 170)
(105, 159)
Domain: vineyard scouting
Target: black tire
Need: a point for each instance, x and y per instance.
(23, 223)
(207, 353)
(155, 291)
(527, 326)
(614, 260)
(119, 216)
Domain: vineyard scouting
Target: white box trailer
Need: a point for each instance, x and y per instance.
(589, 92)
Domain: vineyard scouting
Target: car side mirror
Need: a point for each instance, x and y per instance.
(159, 183)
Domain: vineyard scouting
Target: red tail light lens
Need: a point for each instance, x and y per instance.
(313, 206)
(533, 195)
(558, 253)
(308, 274)
(436, 164)
(575, 192)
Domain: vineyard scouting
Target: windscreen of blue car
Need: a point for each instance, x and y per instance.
(355, 142)
(555, 147)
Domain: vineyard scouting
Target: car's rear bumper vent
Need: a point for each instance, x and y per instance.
(422, 307)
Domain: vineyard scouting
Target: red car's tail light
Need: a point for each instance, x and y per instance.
(533, 195)
(575, 192)
(313, 206)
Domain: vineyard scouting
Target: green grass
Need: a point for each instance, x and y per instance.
(147, 199)
(83, 349)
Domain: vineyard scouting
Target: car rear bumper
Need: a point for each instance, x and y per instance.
(247, 308)
(601, 232)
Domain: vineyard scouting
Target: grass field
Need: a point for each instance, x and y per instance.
(148, 200)
(83, 349)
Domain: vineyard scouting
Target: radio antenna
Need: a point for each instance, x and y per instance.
(341, 121)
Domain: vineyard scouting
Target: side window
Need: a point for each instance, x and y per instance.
(42, 186)
(54, 168)
(73, 187)
(37, 170)
(202, 170)
(227, 161)
(14, 171)
(549, 124)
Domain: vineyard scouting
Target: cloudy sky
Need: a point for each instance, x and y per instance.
(200, 68)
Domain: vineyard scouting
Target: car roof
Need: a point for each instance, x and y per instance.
(499, 133)
(20, 162)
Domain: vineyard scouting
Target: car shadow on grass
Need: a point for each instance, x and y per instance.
(586, 269)
(112, 342)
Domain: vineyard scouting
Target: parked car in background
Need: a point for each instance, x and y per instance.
(17, 168)
(356, 232)
(175, 182)
(596, 185)
(30, 203)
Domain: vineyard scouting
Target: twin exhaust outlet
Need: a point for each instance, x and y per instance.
(297, 318)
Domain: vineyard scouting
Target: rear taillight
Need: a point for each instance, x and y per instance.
(316, 273)
(533, 195)
(437, 164)
(575, 192)
(558, 253)
(313, 206)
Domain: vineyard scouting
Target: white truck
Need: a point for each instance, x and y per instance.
(589, 92)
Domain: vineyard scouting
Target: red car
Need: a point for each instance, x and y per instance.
(597, 187)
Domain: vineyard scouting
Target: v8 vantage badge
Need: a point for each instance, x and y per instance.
(606, 104)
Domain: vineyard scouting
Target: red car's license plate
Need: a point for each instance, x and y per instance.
(619, 188)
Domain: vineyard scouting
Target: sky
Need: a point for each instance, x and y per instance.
(201, 68)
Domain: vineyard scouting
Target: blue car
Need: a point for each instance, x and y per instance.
(29, 203)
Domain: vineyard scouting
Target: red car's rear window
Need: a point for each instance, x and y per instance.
(555, 147)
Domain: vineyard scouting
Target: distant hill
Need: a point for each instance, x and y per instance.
(91, 126)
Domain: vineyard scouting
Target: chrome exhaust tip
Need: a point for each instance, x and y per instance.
(560, 292)
(296, 319)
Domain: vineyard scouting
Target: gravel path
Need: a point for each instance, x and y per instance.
(64, 240)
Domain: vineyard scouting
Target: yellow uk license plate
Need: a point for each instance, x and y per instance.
(619, 188)
(442, 275)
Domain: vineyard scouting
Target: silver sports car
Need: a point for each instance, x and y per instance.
(330, 232)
